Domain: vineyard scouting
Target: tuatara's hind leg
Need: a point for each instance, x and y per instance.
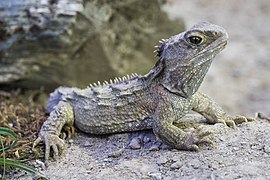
(61, 116)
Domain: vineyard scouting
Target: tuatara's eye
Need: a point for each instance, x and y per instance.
(195, 40)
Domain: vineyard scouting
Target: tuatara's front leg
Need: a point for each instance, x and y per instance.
(61, 117)
(173, 136)
(214, 113)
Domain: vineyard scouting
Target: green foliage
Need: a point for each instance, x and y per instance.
(8, 132)
(5, 132)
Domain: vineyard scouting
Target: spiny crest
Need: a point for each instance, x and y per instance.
(159, 47)
(116, 80)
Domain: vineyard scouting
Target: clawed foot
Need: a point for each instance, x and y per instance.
(51, 141)
(54, 145)
(194, 139)
(233, 121)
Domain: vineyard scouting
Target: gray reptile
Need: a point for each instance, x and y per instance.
(153, 101)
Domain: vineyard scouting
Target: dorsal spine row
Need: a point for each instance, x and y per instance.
(116, 80)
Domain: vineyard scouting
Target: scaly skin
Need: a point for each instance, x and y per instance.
(154, 101)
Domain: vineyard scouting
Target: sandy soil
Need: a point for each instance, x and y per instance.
(238, 80)
(241, 153)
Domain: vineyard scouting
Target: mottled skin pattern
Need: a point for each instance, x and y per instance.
(154, 101)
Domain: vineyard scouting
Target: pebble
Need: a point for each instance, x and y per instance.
(107, 160)
(155, 146)
(146, 139)
(116, 153)
(176, 165)
(135, 143)
(155, 175)
(236, 148)
(162, 160)
(243, 143)
(253, 146)
(196, 164)
(87, 144)
(266, 149)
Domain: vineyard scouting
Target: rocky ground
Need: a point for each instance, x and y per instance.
(238, 80)
(241, 153)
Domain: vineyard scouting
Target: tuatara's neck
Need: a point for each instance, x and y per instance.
(186, 80)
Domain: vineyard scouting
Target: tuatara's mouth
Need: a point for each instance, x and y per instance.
(207, 55)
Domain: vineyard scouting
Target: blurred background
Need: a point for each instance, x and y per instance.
(45, 44)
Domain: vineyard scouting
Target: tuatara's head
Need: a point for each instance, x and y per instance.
(185, 58)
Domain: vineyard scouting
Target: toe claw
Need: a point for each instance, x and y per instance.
(230, 123)
(36, 142)
(55, 151)
(204, 134)
(70, 130)
(250, 119)
(233, 121)
(205, 141)
(240, 119)
(194, 147)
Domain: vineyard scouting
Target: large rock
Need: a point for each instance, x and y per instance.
(74, 42)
